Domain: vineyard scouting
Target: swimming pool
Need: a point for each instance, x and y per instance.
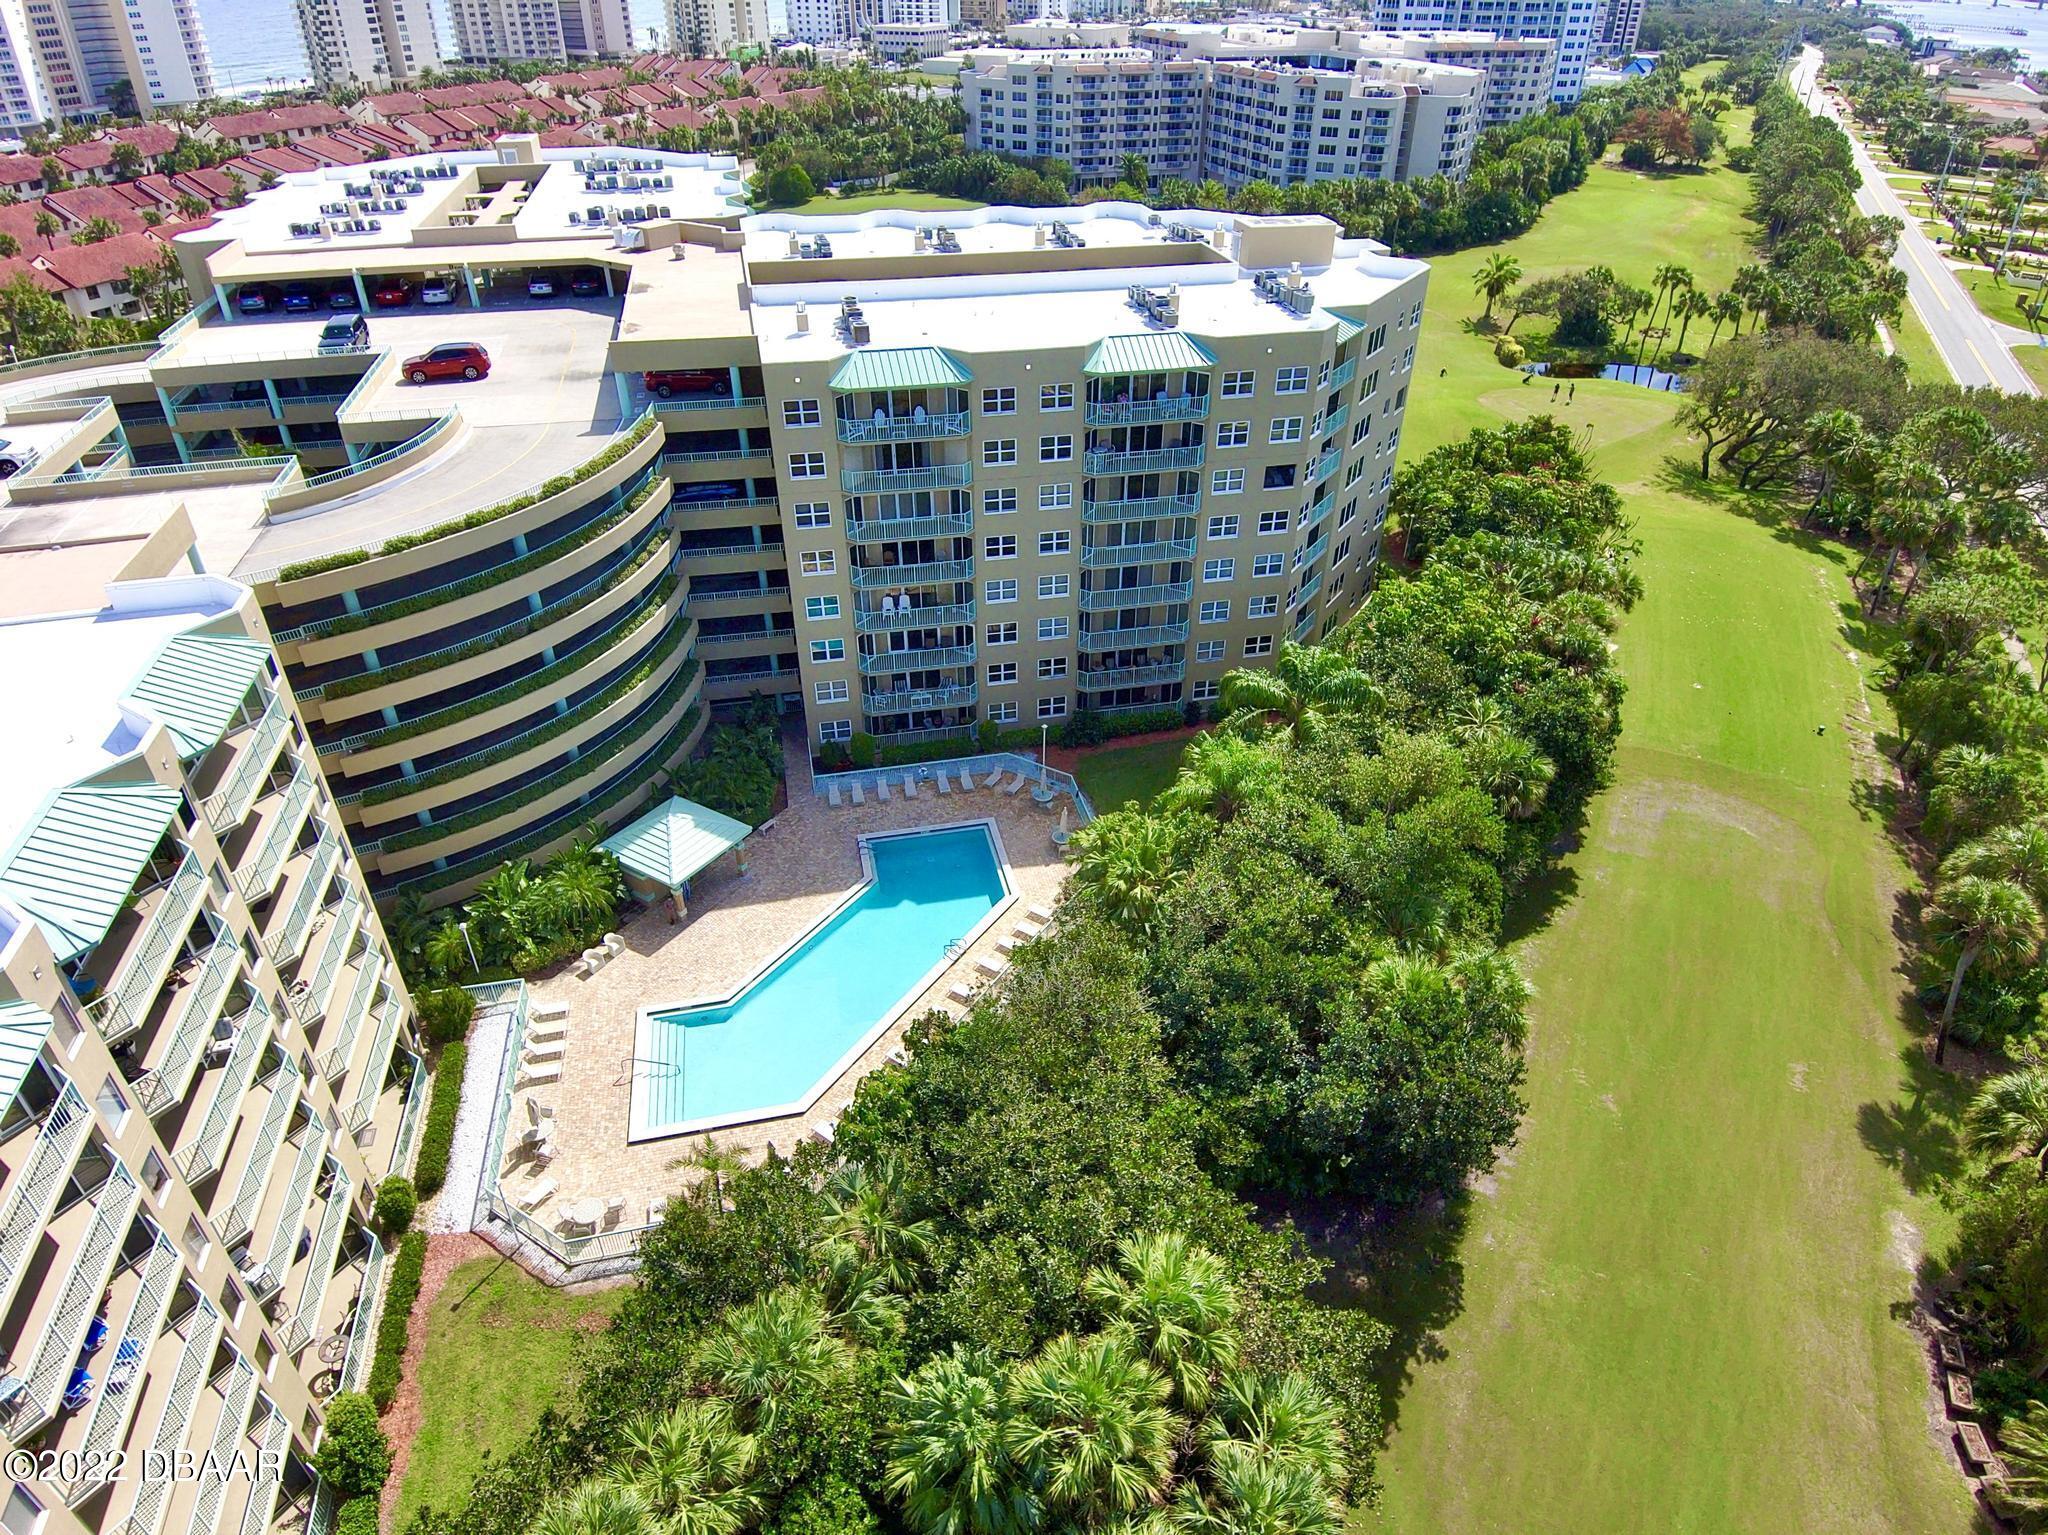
(773, 1047)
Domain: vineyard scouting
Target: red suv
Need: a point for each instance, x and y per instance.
(455, 359)
(676, 381)
(391, 293)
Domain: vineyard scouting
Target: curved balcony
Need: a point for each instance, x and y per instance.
(1098, 641)
(870, 578)
(877, 530)
(882, 482)
(1136, 596)
(914, 428)
(1159, 672)
(916, 700)
(889, 662)
(873, 621)
(1172, 407)
(1139, 509)
(1116, 556)
(1144, 460)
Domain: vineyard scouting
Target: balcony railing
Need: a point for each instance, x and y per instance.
(876, 530)
(277, 837)
(927, 428)
(1309, 553)
(1139, 509)
(291, 1218)
(126, 1004)
(252, 1033)
(1115, 597)
(321, 990)
(875, 482)
(1335, 419)
(299, 920)
(56, 1352)
(930, 733)
(264, 1151)
(355, 1367)
(226, 807)
(1319, 508)
(305, 1321)
(1325, 466)
(707, 402)
(202, 1329)
(371, 1082)
(238, 1400)
(910, 700)
(409, 1117)
(1156, 674)
(1116, 556)
(334, 1061)
(1097, 641)
(166, 1084)
(1309, 588)
(869, 578)
(1143, 460)
(874, 621)
(273, 1438)
(888, 662)
(36, 1187)
(1172, 407)
(1343, 373)
(114, 1407)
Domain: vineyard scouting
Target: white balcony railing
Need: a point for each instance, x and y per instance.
(165, 1085)
(340, 936)
(298, 1198)
(228, 804)
(238, 1400)
(333, 1062)
(370, 1082)
(114, 1407)
(279, 835)
(355, 1368)
(264, 1151)
(252, 1033)
(273, 1437)
(57, 1348)
(42, 1176)
(305, 1321)
(121, 1011)
(201, 1331)
(326, 855)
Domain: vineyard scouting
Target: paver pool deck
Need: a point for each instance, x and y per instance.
(799, 868)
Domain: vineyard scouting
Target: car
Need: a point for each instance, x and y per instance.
(584, 282)
(14, 460)
(343, 299)
(298, 299)
(391, 293)
(348, 334)
(539, 285)
(436, 290)
(452, 359)
(258, 298)
(669, 382)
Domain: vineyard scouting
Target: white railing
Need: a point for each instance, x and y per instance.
(334, 1061)
(326, 854)
(298, 1197)
(981, 764)
(263, 1155)
(355, 1368)
(1108, 599)
(1143, 460)
(371, 1082)
(409, 1119)
(305, 1321)
(238, 1398)
(121, 1011)
(159, 1088)
(252, 1033)
(951, 423)
(57, 1348)
(341, 934)
(1157, 552)
(152, 1492)
(226, 807)
(273, 1439)
(34, 1196)
(115, 1405)
(277, 838)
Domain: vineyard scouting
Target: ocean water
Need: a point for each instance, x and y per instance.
(1978, 24)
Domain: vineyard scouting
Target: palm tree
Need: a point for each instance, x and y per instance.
(2025, 1443)
(1692, 305)
(2015, 852)
(48, 226)
(1727, 311)
(1221, 774)
(1252, 1498)
(1994, 920)
(866, 1209)
(1509, 767)
(1496, 275)
(1088, 1422)
(858, 1297)
(950, 1467)
(772, 1348)
(446, 951)
(2009, 1117)
(1173, 1304)
(1126, 859)
(1309, 688)
(1281, 1419)
(1837, 441)
(690, 1468)
(597, 1508)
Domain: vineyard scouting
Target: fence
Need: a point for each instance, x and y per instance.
(980, 764)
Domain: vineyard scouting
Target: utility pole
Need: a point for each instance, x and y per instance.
(2018, 212)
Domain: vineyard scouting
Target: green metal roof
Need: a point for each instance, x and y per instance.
(74, 868)
(907, 367)
(1346, 328)
(675, 840)
(23, 1028)
(1152, 351)
(197, 682)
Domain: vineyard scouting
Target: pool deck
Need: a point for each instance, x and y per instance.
(799, 868)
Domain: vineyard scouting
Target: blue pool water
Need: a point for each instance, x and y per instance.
(772, 1045)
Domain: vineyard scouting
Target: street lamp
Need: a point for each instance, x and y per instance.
(1043, 793)
(475, 965)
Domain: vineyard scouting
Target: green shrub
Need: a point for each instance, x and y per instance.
(738, 769)
(1091, 727)
(397, 1203)
(394, 1324)
(445, 1012)
(431, 1171)
(985, 734)
(358, 1516)
(354, 1458)
(860, 751)
(1509, 352)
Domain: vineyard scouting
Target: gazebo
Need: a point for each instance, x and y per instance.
(672, 844)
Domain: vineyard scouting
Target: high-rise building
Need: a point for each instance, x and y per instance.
(26, 96)
(922, 26)
(488, 31)
(716, 28)
(1620, 23)
(78, 58)
(1568, 23)
(373, 43)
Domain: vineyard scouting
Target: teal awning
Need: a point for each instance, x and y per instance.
(1346, 329)
(197, 683)
(23, 1028)
(1157, 351)
(75, 866)
(675, 841)
(907, 367)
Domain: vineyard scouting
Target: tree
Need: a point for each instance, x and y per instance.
(353, 1456)
(191, 207)
(596, 1508)
(1089, 1424)
(950, 1466)
(772, 1350)
(1496, 276)
(866, 1204)
(55, 176)
(48, 225)
(1220, 774)
(1993, 920)
(127, 161)
(1277, 1419)
(690, 1468)
(1309, 690)
(1135, 172)
(788, 186)
(160, 286)
(94, 230)
(2008, 1119)
(1172, 1305)
(1125, 861)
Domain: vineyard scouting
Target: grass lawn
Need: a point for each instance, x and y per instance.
(1670, 1307)
(1120, 773)
(930, 202)
(1917, 347)
(2035, 360)
(498, 1351)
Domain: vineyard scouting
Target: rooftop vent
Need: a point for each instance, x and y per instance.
(852, 323)
(1160, 308)
(1290, 290)
(1063, 236)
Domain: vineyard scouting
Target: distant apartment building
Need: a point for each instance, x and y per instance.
(1568, 23)
(1620, 23)
(1235, 121)
(717, 28)
(63, 59)
(372, 43)
(898, 28)
(488, 31)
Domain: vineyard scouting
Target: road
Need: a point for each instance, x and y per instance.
(1968, 342)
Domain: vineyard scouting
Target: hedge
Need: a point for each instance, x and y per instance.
(358, 1516)
(477, 519)
(484, 580)
(395, 1323)
(533, 682)
(1091, 726)
(539, 787)
(362, 682)
(431, 1171)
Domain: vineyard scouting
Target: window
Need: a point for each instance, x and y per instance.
(1055, 498)
(999, 402)
(1052, 628)
(818, 562)
(113, 1106)
(1355, 472)
(1059, 541)
(1226, 482)
(1207, 690)
(1273, 522)
(1215, 612)
(1291, 381)
(1374, 341)
(1233, 434)
(807, 466)
(1262, 607)
(1003, 714)
(1285, 429)
(195, 1242)
(800, 413)
(1259, 645)
(1001, 673)
(818, 609)
(1279, 476)
(1000, 634)
(995, 503)
(999, 591)
(1219, 570)
(814, 514)
(1055, 449)
(1051, 666)
(829, 692)
(999, 450)
(1053, 708)
(999, 546)
(1208, 650)
(1052, 586)
(825, 651)
(1267, 565)
(1056, 397)
(23, 1514)
(1350, 511)
(835, 730)
(1238, 383)
(1224, 526)
(155, 1176)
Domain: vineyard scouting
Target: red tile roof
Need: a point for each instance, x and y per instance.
(81, 266)
(77, 204)
(253, 125)
(151, 138)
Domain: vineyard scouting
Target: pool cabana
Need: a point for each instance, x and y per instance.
(672, 844)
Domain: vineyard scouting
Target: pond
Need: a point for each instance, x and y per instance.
(1640, 374)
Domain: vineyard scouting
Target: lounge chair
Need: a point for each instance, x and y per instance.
(960, 991)
(539, 1033)
(1006, 945)
(909, 786)
(882, 791)
(548, 1012)
(540, 1191)
(898, 1056)
(1040, 914)
(534, 1073)
(991, 967)
(993, 776)
(945, 782)
(614, 1210)
(825, 1131)
(537, 1051)
(583, 969)
(832, 795)
(1017, 781)
(858, 797)
(538, 1113)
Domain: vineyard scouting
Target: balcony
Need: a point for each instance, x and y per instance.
(1309, 588)
(199, 1336)
(1172, 407)
(889, 662)
(166, 1082)
(274, 842)
(291, 1214)
(1319, 508)
(1135, 596)
(916, 700)
(1343, 373)
(913, 428)
(251, 1033)
(1116, 556)
(1144, 460)
(876, 530)
(114, 1407)
(1098, 641)
(320, 1265)
(309, 898)
(36, 1187)
(125, 1006)
(273, 1439)
(238, 1400)
(930, 733)
(63, 1330)
(874, 621)
(409, 1115)
(355, 1369)
(1154, 675)
(1334, 420)
(320, 990)
(334, 1060)
(1139, 509)
(1309, 553)
(370, 1082)
(264, 1152)
(238, 790)
(871, 578)
(878, 482)
(1322, 468)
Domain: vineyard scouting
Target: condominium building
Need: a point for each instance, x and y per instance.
(490, 31)
(1615, 32)
(26, 96)
(1568, 23)
(896, 477)
(898, 27)
(208, 1061)
(717, 28)
(373, 43)
(1237, 121)
(76, 58)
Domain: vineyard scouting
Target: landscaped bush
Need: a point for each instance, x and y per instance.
(739, 766)
(394, 1323)
(860, 750)
(445, 1012)
(354, 1458)
(1090, 726)
(358, 1516)
(1509, 352)
(396, 1204)
(438, 1134)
